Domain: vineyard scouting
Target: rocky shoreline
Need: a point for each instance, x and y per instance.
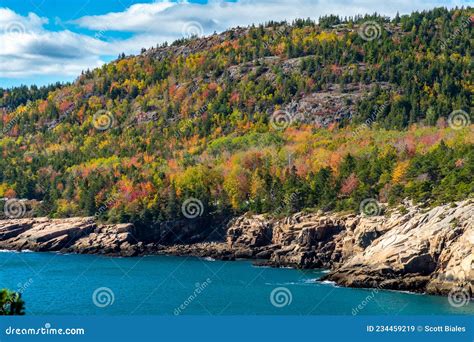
(412, 249)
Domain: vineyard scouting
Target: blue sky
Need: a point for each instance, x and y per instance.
(44, 41)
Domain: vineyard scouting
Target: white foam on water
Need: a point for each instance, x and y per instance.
(329, 282)
(209, 259)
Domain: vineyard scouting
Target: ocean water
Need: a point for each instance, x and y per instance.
(56, 284)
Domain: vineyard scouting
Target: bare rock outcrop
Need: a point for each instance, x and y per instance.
(415, 249)
(421, 250)
(80, 235)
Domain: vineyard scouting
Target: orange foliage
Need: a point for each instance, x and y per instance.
(10, 193)
(335, 160)
(42, 106)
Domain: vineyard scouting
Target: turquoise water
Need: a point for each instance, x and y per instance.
(65, 284)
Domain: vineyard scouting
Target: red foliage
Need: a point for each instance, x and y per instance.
(430, 140)
(349, 184)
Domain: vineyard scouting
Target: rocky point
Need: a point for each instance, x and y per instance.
(413, 248)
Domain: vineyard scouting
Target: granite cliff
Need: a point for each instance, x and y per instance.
(414, 248)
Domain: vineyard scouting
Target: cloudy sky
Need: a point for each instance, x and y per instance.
(44, 41)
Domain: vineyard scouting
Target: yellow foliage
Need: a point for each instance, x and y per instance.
(400, 171)
(327, 37)
(3, 189)
(66, 208)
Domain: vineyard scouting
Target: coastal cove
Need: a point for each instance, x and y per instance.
(62, 284)
(421, 250)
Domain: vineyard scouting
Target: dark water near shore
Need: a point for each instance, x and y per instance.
(85, 284)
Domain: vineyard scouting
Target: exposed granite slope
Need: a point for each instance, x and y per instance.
(81, 235)
(429, 251)
(419, 250)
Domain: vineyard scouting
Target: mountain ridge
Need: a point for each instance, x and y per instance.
(267, 119)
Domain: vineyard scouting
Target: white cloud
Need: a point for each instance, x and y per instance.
(27, 49)
(136, 18)
(167, 21)
(169, 18)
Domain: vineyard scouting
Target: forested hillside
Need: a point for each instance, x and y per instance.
(270, 119)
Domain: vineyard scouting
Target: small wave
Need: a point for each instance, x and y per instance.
(14, 251)
(310, 281)
(325, 271)
(208, 259)
(404, 291)
(328, 282)
(304, 282)
(284, 283)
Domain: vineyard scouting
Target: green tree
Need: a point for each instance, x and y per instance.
(11, 303)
